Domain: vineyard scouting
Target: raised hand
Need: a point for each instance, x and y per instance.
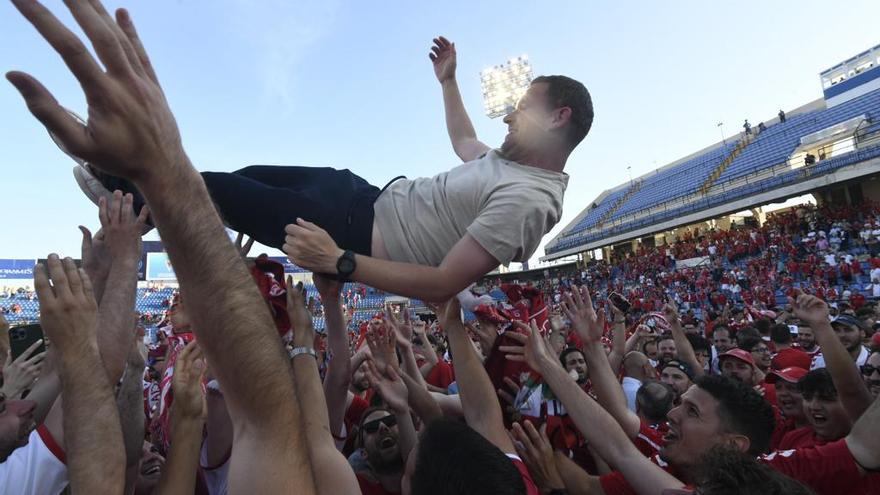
(189, 372)
(670, 312)
(20, 375)
(578, 307)
(131, 131)
(809, 309)
(382, 343)
(121, 228)
(300, 318)
(95, 258)
(444, 59)
(403, 330)
(389, 385)
(67, 307)
(537, 453)
(534, 351)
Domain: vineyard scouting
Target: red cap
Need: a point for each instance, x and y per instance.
(792, 374)
(875, 339)
(740, 354)
(791, 358)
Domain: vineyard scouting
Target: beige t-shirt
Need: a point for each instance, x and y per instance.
(507, 207)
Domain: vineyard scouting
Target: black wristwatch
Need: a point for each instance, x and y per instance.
(346, 265)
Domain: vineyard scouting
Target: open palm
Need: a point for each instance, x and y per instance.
(443, 57)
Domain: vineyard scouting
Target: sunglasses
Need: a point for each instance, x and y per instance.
(869, 370)
(373, 426)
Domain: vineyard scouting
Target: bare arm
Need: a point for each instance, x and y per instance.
(618, 340)
(482, 412)
(458, 124)
(339, 369)
(598, 427)
(853, 393)
(187, 419)
(95, 454)
(682, 345)
(576, 480)
(134, 136)
(590, 325)
(130, 404)
(311, 247)
(122, 237)
(329, 467)
(863, 440)
(421, 401)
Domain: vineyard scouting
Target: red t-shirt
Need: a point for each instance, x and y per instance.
(800, 438)
(441, 375)
(650, 438)
(370, 487)
(827, 469)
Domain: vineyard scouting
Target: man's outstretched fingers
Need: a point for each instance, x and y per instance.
(101, 35)
(54, 117)
(124, 42)
(124, 20)
(71, 272)
(72, 50)
(59, 278)
(87, 288)
(42, 286)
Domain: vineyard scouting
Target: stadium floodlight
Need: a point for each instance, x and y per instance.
(503, 85)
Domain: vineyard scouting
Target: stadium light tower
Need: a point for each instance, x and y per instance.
(721, 126)
(503, 85)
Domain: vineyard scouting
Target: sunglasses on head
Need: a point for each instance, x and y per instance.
(373, 426)
(869, 370)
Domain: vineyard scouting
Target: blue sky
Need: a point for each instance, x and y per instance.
(349, 85)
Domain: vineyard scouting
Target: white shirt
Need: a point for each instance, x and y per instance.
(216, 477)
(630, 386)
(819, 359)
(34, 469)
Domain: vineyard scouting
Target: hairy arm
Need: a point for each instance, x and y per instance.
(608, 390)
(420, 400)
(482, 412)
(339, 369)
(130, 404)
(863, 440)
(93, 437)
(330, 469)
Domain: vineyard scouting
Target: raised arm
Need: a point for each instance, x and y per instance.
(93, 437)
(618, 339)
(187, 419)
(853, 393)
(599, 428)
(130, 404)
(482, 411)
(121, 230)
(682, 344)
(458, 124)
(131, 133)
(338, 377)
(589, 325)
(311, 247)
(863, 440)
(330, 469)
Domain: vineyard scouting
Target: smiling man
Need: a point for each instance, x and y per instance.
(427, 238)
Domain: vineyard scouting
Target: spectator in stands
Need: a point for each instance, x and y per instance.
(851, 332)
(827, 418)
(759, 351)
(654, 400)
(761, 127)
(788, 395)
(574, 362)
(747, 127)
(806, 341)
(781, 117)
(786, 356)
(809, 159)
(678, 375)
(666, 350)
(722, 340)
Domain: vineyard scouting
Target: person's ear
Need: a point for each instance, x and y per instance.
(739, 442)
(560, 117)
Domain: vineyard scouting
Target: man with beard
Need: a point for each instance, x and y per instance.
(678, 375)
(807, 341)
(575, 364)
(666, 350)
(851, 332)
(871, 374)
(739, 365)
(379, 439)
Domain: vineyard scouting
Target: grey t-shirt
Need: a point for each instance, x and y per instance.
(505, 206)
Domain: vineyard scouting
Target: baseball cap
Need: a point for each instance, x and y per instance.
(792, 374)
(683, 367)
(791, 358)
(740, 354)
(848, 320)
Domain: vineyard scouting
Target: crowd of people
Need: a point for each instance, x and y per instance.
(634, 375)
